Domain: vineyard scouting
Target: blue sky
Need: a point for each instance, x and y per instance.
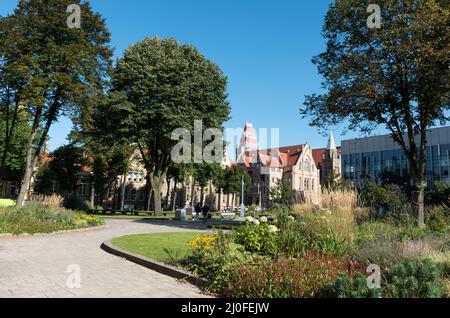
(264, 47)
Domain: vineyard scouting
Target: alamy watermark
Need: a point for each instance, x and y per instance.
(74, 279)
(374, 20)
(74, 19)
(210, 145)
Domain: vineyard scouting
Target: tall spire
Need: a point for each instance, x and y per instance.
(331, 143)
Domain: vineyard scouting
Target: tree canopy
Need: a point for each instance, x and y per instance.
(396, 76)
(159, 86)
(52, 69)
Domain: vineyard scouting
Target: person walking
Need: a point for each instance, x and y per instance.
(198, 210)
(205, 210)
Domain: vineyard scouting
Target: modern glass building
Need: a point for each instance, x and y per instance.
(380, 159)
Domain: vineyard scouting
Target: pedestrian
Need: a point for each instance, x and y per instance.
(198, 210)
(205, 210)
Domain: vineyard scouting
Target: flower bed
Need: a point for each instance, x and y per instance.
(325, 253)
(37, 218)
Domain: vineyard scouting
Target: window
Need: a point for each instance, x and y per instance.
(312, 184)
(306, 166)
(82, 190)
(13, 188)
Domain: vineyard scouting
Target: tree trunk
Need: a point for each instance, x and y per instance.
(122, 193)
(202, 195)
(418, 205)
(193, 191)
(167, 198)
(92, 197)
(157, 180)
(174, 195)
(219, 205)
(29, 160)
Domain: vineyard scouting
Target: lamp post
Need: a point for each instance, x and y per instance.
(242, 199)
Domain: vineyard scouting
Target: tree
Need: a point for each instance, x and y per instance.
(52, 69)
(14, 130)
(396, 76)
(282, 193)
(232, 181)
(203, 174)
(162, 85)
(64, 167)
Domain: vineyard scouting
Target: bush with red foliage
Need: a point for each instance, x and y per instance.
(305, 277)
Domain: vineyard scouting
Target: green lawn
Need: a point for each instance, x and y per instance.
(4, 203)
(162, 247)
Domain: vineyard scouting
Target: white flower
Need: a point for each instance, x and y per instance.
(256, 222)
(273, 229)
(291, 218)
(263, 219)
(249, 219)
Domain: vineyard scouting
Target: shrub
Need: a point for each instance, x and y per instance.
(76, 203)
(439, 194)
(285, 278)
(36, 218)
(414, 279)
(260, 239)
(389, 200)
(347, 286)
(328, 232)
(437, 219)
(216, 262)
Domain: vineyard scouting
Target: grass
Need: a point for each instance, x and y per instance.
(4, 203)
(162, 247)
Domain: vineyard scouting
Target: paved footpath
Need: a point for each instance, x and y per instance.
(37, 266)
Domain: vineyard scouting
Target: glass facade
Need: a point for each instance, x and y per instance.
(392, 166)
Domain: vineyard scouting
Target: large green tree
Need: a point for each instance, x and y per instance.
(162, 85)
(64, 167)
(14, 132)
(52, 69)
(396, 76)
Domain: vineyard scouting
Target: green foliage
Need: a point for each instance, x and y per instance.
(389, 200)
(282, 193)
(218, 263)
(5, 203)
(76, 203)
(65, 165)
(438, 194)
(438, 219)
(355, 286)
(50, 69)
(334, 182)
(395, 76)
(160, 85)
(257, 239)
(232, 180)
(35, 218)
(13, 144)
(414, 279)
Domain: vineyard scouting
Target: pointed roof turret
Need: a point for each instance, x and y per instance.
(331, 143)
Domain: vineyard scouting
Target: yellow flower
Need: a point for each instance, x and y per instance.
(203, 241)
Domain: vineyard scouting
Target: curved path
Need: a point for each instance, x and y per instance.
(37, 266)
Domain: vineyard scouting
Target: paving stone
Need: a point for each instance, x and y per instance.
(34, 267)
